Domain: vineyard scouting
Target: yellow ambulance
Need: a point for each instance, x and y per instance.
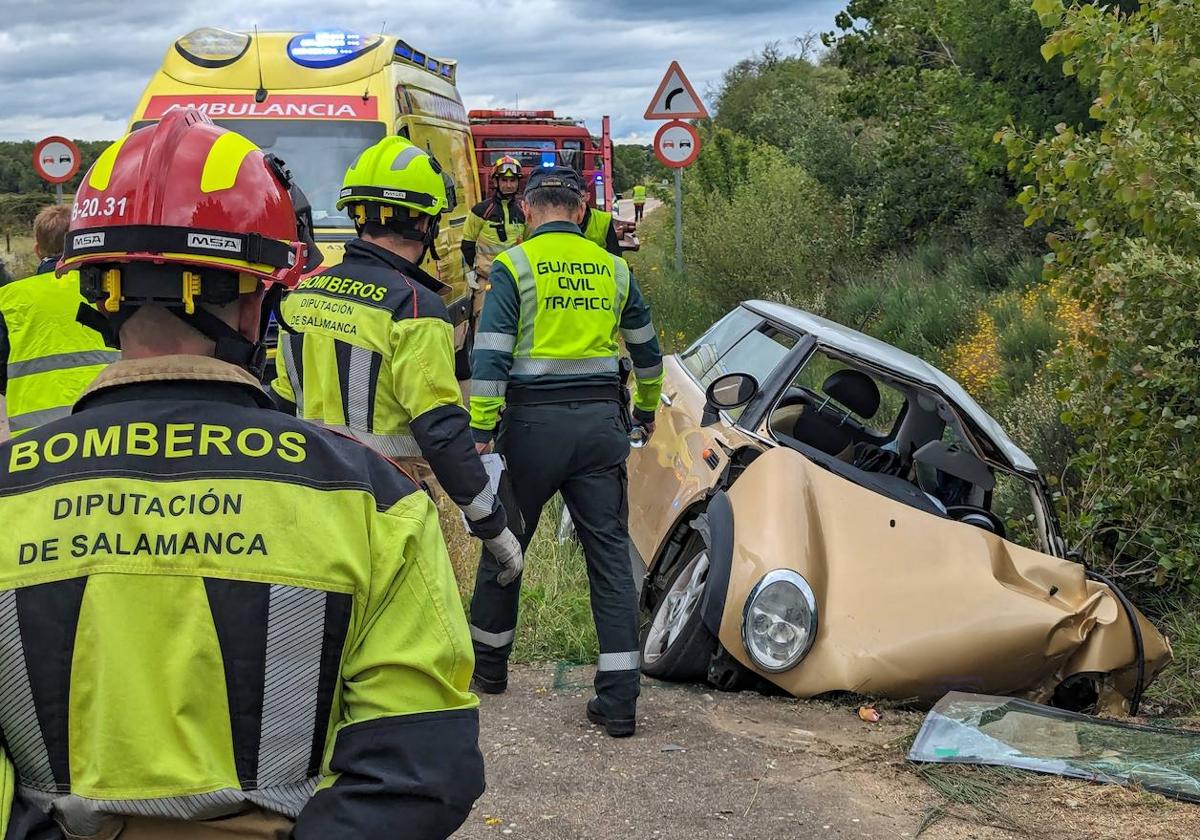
(317, 99)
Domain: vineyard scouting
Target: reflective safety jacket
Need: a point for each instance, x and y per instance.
(493, 225)
(209, 603)
(373, 357)
(550, 323)
(47, 357)
(639, 194)
(598, 227)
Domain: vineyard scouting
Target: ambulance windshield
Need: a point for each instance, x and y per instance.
(318, 152)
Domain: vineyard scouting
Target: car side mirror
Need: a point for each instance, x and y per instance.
(733, 390)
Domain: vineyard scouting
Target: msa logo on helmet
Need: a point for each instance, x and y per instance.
(88, 240)
(399, 195)
(212, 242)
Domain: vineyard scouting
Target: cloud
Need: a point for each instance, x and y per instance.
(83, 75)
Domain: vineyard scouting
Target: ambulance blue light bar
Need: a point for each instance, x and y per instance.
(329, 47)
(426, 62)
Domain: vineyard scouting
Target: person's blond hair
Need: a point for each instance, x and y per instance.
(50, 229)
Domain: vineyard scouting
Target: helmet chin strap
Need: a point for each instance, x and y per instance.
(231, 345)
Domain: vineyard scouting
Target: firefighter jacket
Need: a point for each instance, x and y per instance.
(550, 324)
(210, 604)
(493, 225)
(47, 357)
(598, 227)
(372, 356)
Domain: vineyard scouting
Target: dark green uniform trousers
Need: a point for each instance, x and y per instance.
(578, 449)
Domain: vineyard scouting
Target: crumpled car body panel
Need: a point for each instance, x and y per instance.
(912, 605)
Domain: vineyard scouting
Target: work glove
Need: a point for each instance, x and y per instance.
(507, 551)
(472, 279)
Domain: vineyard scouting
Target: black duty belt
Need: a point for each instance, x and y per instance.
(565, 394)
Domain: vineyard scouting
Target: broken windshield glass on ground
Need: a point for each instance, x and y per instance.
(980, 729)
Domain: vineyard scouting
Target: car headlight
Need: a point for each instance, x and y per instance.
(779, 622)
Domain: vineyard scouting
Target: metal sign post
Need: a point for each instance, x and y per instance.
(676, 144)
(679, 220)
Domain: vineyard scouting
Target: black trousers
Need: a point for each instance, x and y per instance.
(637, 211)
(578, 449)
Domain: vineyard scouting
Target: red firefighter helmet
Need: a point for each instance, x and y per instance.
(184, 212)
(506, 167)
(185, 192)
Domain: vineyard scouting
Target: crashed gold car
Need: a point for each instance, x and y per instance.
(823, 511)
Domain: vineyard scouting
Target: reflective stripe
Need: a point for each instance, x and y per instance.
(499, 342)
(488, 388)
(524, 366)
(358, 389)
(527, 292)
(482, 505)
(648, 372)
(33, 419)
(82, 816)
(18, 717)
(640, 335)
(493, 640)
(621, 275)
(393, 446)
(293, 375)
(224, 161)
(62, 361)
(295, 631)
(628, 660)
(406, 157)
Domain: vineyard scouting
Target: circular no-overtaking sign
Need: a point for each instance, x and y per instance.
(677, 144)
(56, 159)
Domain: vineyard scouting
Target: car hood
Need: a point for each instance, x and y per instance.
(912, 605)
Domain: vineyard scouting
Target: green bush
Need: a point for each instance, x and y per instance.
(1127, 243)
(777, 235)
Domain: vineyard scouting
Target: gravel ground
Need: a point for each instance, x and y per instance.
(714, 765)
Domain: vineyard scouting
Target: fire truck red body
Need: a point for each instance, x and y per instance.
(539, 138)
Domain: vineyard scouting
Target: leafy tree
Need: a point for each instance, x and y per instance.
(1124, 201)
(935, 79)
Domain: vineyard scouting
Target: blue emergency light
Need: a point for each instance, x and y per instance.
(328, 47)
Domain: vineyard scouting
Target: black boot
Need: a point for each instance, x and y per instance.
(488, 686)
(615, 727)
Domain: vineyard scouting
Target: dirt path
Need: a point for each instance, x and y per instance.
(713, 765)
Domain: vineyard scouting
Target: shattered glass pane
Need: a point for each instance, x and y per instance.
(979, 729)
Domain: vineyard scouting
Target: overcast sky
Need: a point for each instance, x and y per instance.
(77, 67)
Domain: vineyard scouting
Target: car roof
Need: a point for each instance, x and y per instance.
(859, 345)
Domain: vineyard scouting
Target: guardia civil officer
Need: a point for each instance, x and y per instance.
(47, 357)
(371, 352)
(547, 355)
(216, 621)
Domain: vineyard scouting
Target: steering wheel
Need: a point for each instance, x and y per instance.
(980, 517)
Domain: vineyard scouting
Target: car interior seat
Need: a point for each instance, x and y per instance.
(825, 427)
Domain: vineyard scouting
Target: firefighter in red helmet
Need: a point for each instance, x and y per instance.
(493, 226)
(198, 661)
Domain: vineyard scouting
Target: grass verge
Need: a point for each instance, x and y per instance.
(555, 619)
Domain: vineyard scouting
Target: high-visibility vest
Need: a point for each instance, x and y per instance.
(52, 358)
(639, 194)
(569, 331)
(598, 223)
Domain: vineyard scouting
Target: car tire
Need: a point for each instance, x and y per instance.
(676, 645)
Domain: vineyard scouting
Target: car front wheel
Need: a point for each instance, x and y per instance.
(676, 645)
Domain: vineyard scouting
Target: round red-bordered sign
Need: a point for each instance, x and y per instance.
(677, 144)
(55, 159)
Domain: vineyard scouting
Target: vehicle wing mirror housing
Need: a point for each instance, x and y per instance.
(733, 390)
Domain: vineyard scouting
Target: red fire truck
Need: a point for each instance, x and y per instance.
(539, 138)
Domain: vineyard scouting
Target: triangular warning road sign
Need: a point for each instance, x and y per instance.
(676, 99)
